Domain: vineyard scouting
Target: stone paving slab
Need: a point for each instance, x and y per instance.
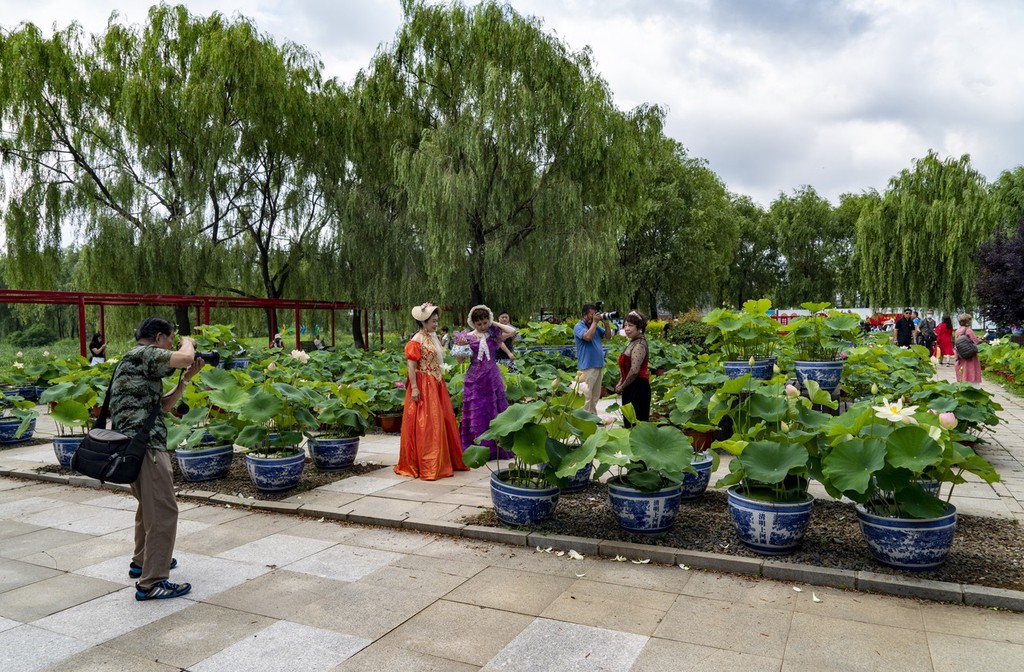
(284, 647)
(557, 645)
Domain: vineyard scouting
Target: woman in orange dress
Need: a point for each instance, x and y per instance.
(430, 447)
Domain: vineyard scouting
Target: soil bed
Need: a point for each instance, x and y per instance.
(986, 551)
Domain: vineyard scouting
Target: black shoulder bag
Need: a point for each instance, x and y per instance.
(112, 456)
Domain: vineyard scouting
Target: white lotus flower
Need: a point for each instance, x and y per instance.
(46, 353)
(895, 412)
(20, 354)
(18, 365)
(300, 355)
(580, 388)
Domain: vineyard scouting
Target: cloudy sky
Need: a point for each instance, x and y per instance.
(774, 94)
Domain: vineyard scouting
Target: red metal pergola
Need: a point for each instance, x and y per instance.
(202, 305)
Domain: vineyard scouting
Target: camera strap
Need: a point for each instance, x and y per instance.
(101, 420)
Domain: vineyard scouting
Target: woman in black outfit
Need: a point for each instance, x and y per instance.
(634, 380)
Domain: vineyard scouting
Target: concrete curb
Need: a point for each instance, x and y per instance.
(900, 585)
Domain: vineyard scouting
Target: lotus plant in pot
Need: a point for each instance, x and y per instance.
(203, 436)
(69, 403)
(525, 490)
(747, 338)
(819, 341)
(689, 410)
(17, 418)
(892, 459)
(648, 463)
(775, 448)
(343, 417)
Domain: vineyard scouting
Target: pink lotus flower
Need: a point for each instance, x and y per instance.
(947, 420)
(792, 392)
(400, 385)
(272, 366)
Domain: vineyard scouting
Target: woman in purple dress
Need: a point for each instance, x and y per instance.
(483, 394)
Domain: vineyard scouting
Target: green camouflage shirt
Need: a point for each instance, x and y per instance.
(136, 388)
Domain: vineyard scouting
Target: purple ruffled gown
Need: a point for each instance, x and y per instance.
(483, 394)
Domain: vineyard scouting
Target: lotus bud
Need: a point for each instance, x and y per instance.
(783, 426)
(272, 366)
(751, 362)
(874, 389)
(46, 353)
(947, 420)
(791, 391)
(20, 354)
(776, 370)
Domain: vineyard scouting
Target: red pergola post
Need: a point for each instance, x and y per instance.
(81, 325)
(206, 312)
(298, 339)
(198, 321)
(273, 325)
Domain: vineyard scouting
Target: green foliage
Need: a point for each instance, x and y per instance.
(820, 338)
(747, 333)
(33, 336)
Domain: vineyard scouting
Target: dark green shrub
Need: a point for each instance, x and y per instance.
(31, 337)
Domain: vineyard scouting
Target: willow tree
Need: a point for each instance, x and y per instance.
(917, 245)
(756, 269)
(683, 230)
(513, 168)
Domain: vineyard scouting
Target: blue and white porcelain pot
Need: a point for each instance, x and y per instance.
(517, 505)
(237, 363)
(694, 485)
(762, 369)
(9, 427)
(580, 479)
(769, 528)
(644, 513)
(333, 454)
(826, 374)
(275, 474)
(205, 463)
(909, 543)
(64, 447)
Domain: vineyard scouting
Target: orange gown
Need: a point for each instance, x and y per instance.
(430, 447)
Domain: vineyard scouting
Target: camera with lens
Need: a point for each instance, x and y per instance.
(610, 315)
(212, 357)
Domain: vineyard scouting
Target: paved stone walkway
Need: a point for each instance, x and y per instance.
(279, 592)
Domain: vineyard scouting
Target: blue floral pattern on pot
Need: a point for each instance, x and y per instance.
(909, 543)
(333, 454)
(9, 427)
(762, 369)
(826, 374)
(579, 480)
(275, 474)
(64, 447)
(769, 528)
(205, 464)
(644, 513)
(515, 505)
(237, 363)
(694, 485)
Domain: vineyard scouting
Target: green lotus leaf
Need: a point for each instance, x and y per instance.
(71, 413)
(819, 396)
(769, 462)
(529, 443)
(476, 456)
(616, 449)
(849, 465)
(771, 409)
(916, 503)
(251, 436)
(55, 392)
(943, 404)
(230, 398)
(911, 448)
(218, 379)
(514, 418)
(291, 393)
(645, 481)
(580, 456)
(663, 448)
(261, 407)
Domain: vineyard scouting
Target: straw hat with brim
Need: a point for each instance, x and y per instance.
(422, 312)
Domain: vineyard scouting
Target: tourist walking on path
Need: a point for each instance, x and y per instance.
(589, 354)
(634, 379)
(944, 338)
(135, 392)
(483, 394)
(903, 334)
(926, 332)
(429, 447)
(968, 370)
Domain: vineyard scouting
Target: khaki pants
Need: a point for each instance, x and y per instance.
(592, 377)
(156, 520)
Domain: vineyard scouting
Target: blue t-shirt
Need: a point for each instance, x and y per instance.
(588, 355)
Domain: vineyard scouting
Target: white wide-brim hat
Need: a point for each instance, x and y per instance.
(422, 312)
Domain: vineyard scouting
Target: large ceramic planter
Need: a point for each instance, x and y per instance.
(694, 485)
(9, 427)
(390, 422)
(64, 448)
(237, 363)
(205, 463)
(516, 505)
(826, 374)
(333, 454)
(644, 513)
(275, 474)
(761, 369)
(909, 543)
(769, 528)
(579, 480)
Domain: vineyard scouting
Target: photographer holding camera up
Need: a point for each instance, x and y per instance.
(135, 390)
(589, 353)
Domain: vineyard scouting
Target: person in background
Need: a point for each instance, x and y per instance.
(917, 325)
(589, 354)
(944, 338)
(967, 370)
(278, 341)
(318, 343)
(430, 447)
(506, 352)
(446, 338)
(926, 332)
(634, 380)
(903, 330)
(98, 348)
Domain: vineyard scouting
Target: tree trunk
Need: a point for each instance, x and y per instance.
(357, 329)
(181, 316)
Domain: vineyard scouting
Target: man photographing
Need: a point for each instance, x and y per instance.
(589, 354)
(136, 389)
